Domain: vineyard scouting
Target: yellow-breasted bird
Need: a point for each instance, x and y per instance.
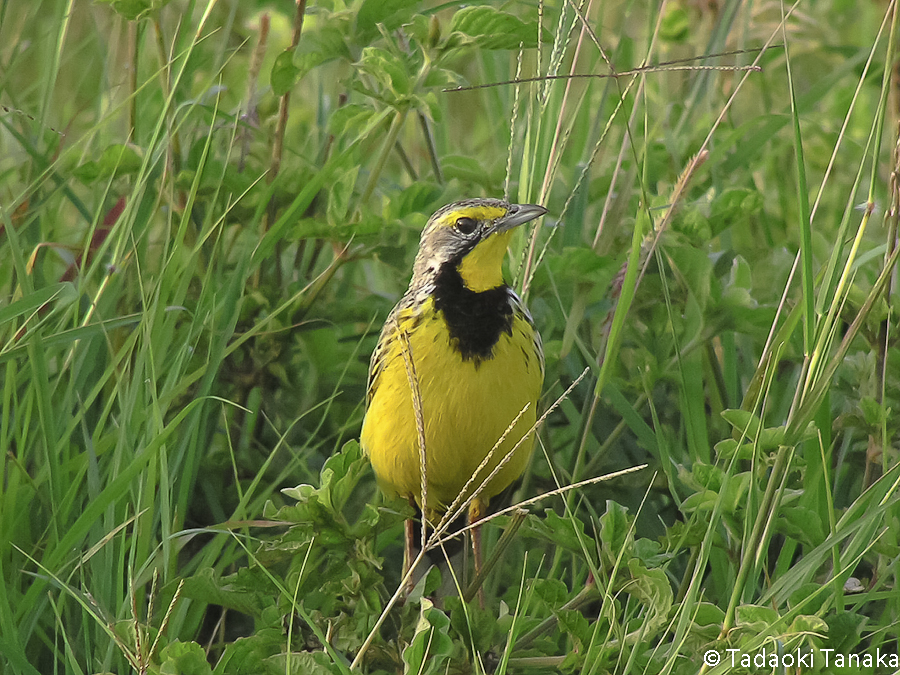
(477, 359)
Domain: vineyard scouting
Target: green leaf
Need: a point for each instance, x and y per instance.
(735, 495)
(736, 208)
(442, 78)
(653, 589)
(708, 476)
(683, 534)
(708, 614)
(427, 585)
(341, 473)
(340, 194)
(421, 197)
(352, 117)
(693, 223)
(490, 28)
(561, 531)
(576, 624)
(245, 656)
(424, 30)
(728, 448)
(419, 28)
(248, 591)
(301, 663)
(700, 501)
(745, 424)
(387, 69)
(475, 622)
(552, 592)
(466, 169)
(183, 658)
(118, 159)
(755, 619)
(431, 646)
(284, 73)
(389, 13)
(694, 264)
(315, 228)
(650, 552)
(845, 630)
(616, 533)
(809, 598)
(808, 624)
(801, 523)
(327, 43)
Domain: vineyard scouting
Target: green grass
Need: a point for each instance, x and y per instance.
(203, 225)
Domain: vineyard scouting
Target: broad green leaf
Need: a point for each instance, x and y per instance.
(616, 533)
(576, 625)
(808, 624)
(248, 591)
(552, 592)
(808, 598)
(652, 588)
(340, 195)
(352, 117)
(284, 73)
(708, 476)
(425, 30)
(490, 28)
(480, 623)
(431, 646)
(700, 501)
(119, 159)
(845, 630)
(327, 43)
(746, 424)
(389, 13)
(183, 658)
(427, 585)
(301, 663)
(347, 466)
(467, 169)
(755, 618)
(708, 614)
(246, 655)
(802, 524)
(389, 70)
(650, 552)
(727, 449)
(559, 530)
(735, 208)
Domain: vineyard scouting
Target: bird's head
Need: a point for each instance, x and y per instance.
(472, 236)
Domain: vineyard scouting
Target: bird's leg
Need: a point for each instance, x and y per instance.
(409, 545)
(476, 512)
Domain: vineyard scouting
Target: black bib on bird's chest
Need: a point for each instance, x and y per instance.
(475, 319)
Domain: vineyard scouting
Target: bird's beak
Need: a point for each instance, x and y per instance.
(518, 214)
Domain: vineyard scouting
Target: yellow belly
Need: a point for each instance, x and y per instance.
(467, 407)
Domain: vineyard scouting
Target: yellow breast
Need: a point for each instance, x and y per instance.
(467, 407)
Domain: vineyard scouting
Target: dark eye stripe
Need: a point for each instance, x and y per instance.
(466, 225)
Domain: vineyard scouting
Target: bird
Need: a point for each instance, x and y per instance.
(458, 366)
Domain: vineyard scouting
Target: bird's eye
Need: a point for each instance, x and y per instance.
(466, 225)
